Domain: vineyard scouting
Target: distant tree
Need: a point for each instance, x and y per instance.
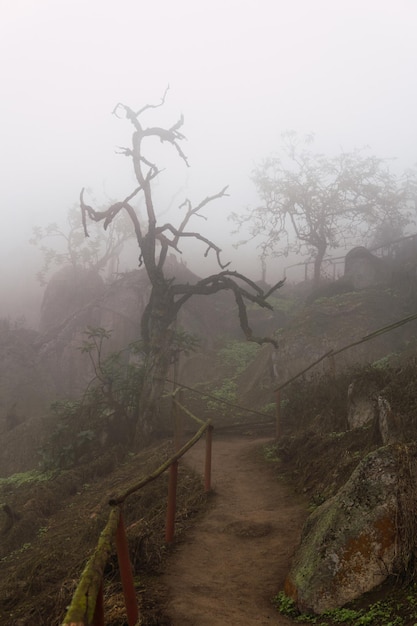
(73, 247)
(154, 241)
(386, 232)
(313, 203)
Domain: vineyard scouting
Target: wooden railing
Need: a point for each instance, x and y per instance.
(87, 606)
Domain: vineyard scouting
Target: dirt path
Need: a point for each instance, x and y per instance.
(236, 558)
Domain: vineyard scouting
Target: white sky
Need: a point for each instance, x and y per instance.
(241, 72)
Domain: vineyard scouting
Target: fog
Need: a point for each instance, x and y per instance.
(240, 71)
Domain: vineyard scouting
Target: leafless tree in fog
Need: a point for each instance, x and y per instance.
(72, 247)
(155, 241)
(315, 203)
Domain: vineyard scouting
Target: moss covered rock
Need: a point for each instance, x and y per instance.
(350, 544)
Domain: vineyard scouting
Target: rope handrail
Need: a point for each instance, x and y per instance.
(162, 468)
(187, 412)
(86, 607)
(309, 367)
(217, 399)
(379, 331)
(83, 603)
(332, 352)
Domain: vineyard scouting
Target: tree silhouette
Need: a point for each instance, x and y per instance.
(313, 203)
(72, 247)
(154, 240)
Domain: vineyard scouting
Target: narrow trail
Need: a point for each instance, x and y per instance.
(236, 557)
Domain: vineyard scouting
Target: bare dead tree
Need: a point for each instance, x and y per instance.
(167, 297)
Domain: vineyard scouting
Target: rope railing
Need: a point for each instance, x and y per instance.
(331, 354)
(212, 396)
(209, 440)
(87, 604)
(187, 412)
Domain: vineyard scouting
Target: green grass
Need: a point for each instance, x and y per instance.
(26, 477)
(390, 612)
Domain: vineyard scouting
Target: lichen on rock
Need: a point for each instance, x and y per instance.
(350, 543)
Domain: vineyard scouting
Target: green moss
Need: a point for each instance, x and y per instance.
(26, 477)
(319, 523)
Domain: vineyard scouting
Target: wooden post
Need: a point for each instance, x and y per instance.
(207, 465)
(126, 574)
(172, 502)
(278, 415)
(178, 422)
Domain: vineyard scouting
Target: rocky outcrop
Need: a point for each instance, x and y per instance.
(361, 405)
(363, 269)
(355, 540)
(367, 405)
(21, 377)
(76, 299)
(390, 423)
(71, 289)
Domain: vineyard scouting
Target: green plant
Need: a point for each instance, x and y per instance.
(343, 615)
(184, 342)
(316, 500)
(110, 402)
(270, 453)
(383, 363)
(22, 478)
(227, 392)
(12, 555)
(269, 409)
(231, 360)
(377, 614)
(285, 605)
(237, 355)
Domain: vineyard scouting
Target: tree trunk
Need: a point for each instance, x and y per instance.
(321, 251)
(158, 347)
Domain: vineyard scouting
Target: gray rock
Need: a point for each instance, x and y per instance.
(361, 406)
(349, 544)
(389, 423)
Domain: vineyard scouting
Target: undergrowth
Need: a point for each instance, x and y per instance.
(231, 360)
(387, 612)
(319, 453)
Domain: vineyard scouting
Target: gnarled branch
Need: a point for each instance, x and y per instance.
(226, 281)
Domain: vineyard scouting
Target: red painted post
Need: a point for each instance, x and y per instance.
(98, 617)
(126, 574)
(207, 465)
(178, 422)
(278, 415)
(172, 502)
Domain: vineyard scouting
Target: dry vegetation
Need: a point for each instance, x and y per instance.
(50, 522)
(57, 522)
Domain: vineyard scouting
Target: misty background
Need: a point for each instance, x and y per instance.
(241, 72)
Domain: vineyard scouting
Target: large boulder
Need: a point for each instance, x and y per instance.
(117, 308)
(366, 405)
(390, 423)
(353, 542)
(76, 299)
(21, 378)
(70, 290)
(360, 405)
(363, 269)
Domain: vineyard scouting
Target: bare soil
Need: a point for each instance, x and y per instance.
(227, 569)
